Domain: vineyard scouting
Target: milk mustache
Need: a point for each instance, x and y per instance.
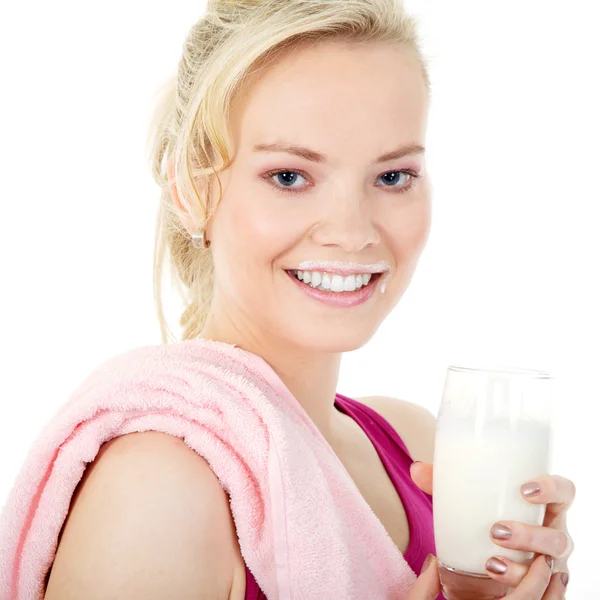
(485, 449)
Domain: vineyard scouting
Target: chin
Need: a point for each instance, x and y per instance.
(332, 341)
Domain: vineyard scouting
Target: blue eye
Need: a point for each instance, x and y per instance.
(394, 178)
(289, 176)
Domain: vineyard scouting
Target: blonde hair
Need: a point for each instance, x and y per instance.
(189, 122)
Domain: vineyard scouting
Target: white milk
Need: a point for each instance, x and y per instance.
(478, 472)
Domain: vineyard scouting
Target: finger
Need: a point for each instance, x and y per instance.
(557, 589)
(555, 491)
(427, 586)
(508, 571)
(422, 475)
(534, 584)
(556, 543)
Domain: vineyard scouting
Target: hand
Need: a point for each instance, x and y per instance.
(551, 542)
(427, 586)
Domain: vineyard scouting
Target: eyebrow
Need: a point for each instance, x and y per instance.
(317, 157)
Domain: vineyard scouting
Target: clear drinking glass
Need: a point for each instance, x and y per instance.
(494, 433)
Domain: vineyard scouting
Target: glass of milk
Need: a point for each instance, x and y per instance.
(494, 433)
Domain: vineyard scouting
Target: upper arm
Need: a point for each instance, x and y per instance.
(413, 423)
(149, 520)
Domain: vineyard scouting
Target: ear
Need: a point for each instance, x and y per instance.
(188, 221)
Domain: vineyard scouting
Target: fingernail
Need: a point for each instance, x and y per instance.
(550, 562)
(564, 577)
(531, 489)
(416, 462)
(426, 563)
(496, 566)
(501, 532)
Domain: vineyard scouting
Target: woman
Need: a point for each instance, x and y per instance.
(295, 133)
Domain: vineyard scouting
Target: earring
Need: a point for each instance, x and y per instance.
(198, 239)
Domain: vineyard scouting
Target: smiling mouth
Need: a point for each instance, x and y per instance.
(372, 281)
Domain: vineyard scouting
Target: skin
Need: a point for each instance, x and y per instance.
(341, 101)
(351, 103)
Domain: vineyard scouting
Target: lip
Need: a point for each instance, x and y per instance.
(341, 267)
(344, 299)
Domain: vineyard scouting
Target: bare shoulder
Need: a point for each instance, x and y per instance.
(150, 520)
(414, 423)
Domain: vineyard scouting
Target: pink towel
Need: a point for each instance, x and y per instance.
(304, 529)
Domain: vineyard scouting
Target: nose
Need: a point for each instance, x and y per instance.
(349, 225)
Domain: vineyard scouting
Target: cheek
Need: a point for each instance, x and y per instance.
(254, 235)
(266, 229)
(409, 230)
(260, 222)
(408, 236)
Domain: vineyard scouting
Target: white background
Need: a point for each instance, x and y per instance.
(509, 275)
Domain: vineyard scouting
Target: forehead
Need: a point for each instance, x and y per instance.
(334, 91)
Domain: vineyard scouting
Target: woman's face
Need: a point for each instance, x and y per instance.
(351, 104)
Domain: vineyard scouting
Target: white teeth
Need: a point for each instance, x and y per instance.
(334, 282)
(337, 283)
(351, 282)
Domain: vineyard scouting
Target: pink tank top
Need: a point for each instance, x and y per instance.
(397, 460)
